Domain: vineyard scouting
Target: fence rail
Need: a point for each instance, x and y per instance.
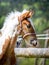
(42, 36)
(32, 52)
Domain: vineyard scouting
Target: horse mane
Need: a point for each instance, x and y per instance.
(11, 18)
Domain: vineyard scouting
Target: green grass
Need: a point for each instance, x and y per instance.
(27, 61)
(30, 61)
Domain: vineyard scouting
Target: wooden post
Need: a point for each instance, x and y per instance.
(43, 62)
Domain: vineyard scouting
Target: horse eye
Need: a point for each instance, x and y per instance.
(28, 26)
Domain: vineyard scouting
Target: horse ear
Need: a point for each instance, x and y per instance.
(27, 14)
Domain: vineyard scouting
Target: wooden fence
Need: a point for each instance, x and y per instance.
(32, 52)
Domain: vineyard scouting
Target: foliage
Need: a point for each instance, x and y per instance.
(40, 7)
(40, 17)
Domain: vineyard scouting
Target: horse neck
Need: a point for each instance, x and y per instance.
(9, 29)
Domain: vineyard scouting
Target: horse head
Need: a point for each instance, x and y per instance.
(27, 29)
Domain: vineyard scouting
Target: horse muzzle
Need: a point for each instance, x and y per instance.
(33, 42)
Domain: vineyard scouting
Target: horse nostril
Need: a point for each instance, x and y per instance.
(34, 42)
(18, 43)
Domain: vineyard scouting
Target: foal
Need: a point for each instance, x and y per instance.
(16, 23)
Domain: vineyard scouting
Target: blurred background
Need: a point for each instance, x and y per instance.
(40, 18)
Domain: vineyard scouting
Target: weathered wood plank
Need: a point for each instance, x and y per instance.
(32, 52)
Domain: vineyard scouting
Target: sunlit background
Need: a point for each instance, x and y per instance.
(40, 17)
